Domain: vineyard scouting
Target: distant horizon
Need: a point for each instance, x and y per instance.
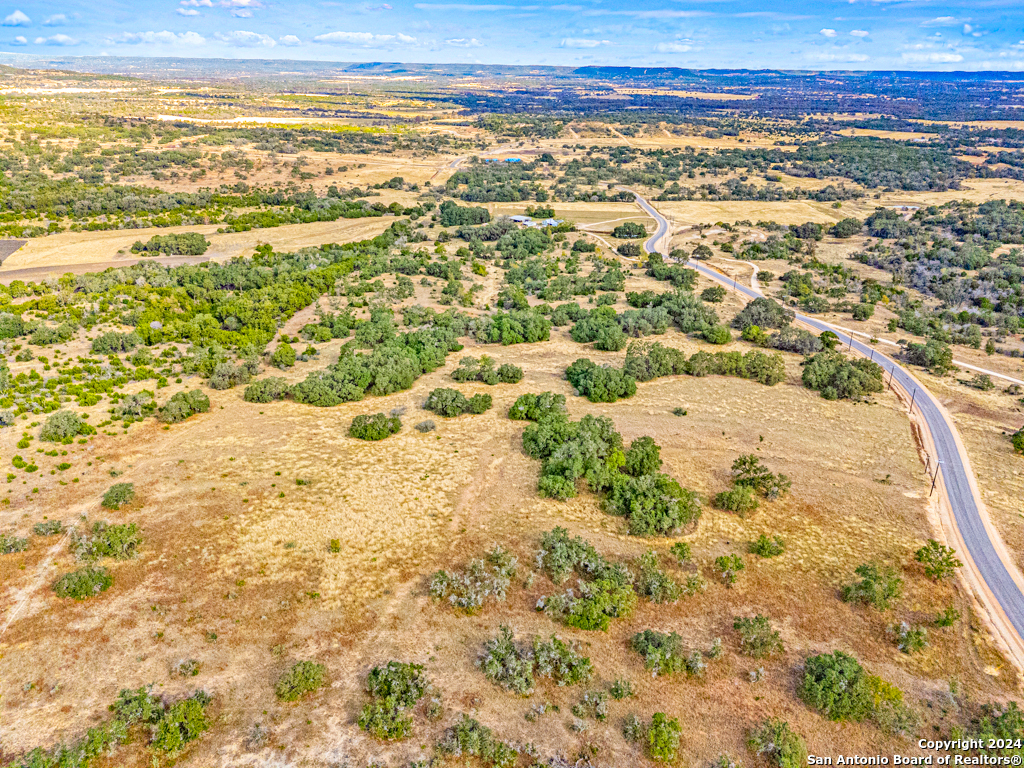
(55, 61)
(804, 35)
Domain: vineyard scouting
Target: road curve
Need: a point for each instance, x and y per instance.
(1001, 591)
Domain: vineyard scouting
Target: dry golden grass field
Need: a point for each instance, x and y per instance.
(238, 507)
(235, 571)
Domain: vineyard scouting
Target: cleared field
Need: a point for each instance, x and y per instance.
(67, 248)
(731, 211)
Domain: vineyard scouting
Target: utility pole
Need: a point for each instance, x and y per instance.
(912, 399)
(892, 372)
(934, 478)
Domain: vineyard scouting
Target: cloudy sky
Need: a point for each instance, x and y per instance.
(796, 34)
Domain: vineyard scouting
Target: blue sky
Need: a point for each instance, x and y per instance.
(798, 34)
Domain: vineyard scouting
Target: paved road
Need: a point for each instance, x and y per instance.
(953, 475)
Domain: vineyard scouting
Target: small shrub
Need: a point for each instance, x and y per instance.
(266, 390)
(940, 561)
(629, 230)
(662, 654)
(713, 295)
(426, 426)
(948, 617)
(593, 704)
(118, 495)
(622, 689)
(632, 729)
(755, 335)
(836, 685)
(775, 742)
(182, 405)
(535, 407)
(131, 408)
(384, 721)
(301, 678)
(64, 425)
(470, 588)
(599, 602)
(447, 402)
(757, 638)
(748, 471)
(48, 527)
(114, 343)
(599, 384)
(681, 551)
(471, 369)
(863, 311)
(510, 374)
(663, 737)
(653, 583)
(83, 583)
(374, 427)
(879, 587)
(478, 404)
(11, 544)
(471, 739)
(187, 668)
(505, 664)
(728, 567)
(284, 356)
(1017, 440)
(716, 334)
(120, 542)
(183, 722)
(561, 554)
(655, 505)
(765, 547)
(643, 457)
(561, 662)
(740, 500)
(394, 688)
(910, 639)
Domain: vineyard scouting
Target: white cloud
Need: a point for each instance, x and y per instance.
(187, 12)
(366, 39)
(657, 14)
(461, 7)
(582, 42)
(55, 40)
(238, 8)
(17, 19)
(289, 40)
(676, 47)
(464, 42)
(828, 32)
(244, 39)
(57, 20)
(859, 32)
(19, 40)
(932, 58)
(158, 38)
(941, 21)
(840, 57)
